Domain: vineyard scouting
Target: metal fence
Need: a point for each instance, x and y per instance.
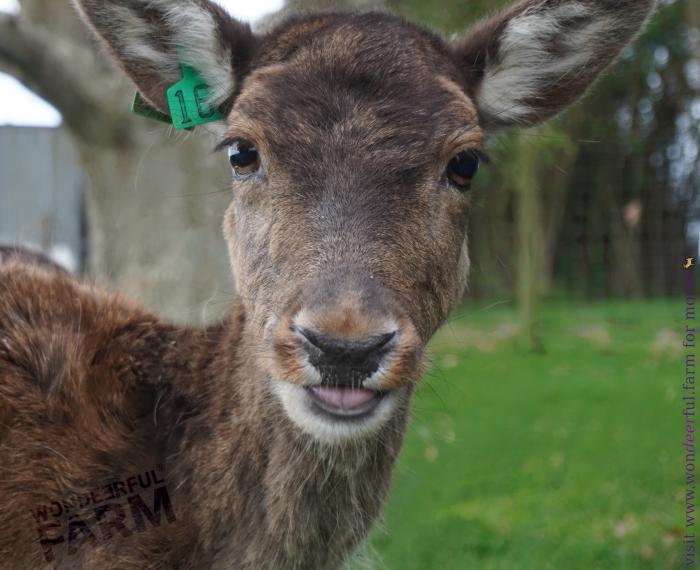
(41, 194)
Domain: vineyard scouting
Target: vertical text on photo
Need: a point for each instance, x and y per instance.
(689, 419)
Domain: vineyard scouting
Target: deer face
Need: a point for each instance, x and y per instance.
(347, 229)
(353, 142)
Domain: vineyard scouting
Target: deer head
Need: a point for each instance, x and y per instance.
(353, 141)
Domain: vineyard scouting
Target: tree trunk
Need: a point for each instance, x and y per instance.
(155, 199)
(154, 211)
(530, 240)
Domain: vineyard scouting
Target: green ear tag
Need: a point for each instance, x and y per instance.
(142, 108)
(187, 100)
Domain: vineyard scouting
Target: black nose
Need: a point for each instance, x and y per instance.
(342, 360)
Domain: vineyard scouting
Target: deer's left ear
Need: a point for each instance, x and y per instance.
(151, 39)
(526, 64)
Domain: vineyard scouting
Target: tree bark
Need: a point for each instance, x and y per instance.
(155, 199)
(155, 212)
(43, 63)
(530, 240)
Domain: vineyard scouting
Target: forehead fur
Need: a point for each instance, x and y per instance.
(371, 79)
(374, 34)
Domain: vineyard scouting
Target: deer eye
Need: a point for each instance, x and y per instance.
(462, 169)
(244, 157)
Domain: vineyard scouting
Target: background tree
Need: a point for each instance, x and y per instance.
(155, 197)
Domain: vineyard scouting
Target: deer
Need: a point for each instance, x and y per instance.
(353, 139)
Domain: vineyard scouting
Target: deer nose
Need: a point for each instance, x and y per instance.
(345, 359)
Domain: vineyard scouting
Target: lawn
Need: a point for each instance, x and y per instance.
(568, 460)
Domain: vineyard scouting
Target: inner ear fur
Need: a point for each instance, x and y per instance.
(150, 39)
(527, 63)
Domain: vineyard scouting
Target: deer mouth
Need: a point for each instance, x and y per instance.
(345, 386)
(333, 413)
(345, 402)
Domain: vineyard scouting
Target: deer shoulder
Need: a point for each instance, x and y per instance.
(92, 389)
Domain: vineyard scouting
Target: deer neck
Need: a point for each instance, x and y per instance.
(262, 493)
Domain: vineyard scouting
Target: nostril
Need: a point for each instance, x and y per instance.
(363, 354)
(331, 345)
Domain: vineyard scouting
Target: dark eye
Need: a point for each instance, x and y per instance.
(244, 157)
(462, 168)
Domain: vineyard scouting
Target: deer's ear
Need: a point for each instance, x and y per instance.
(151, 39)
(526, 64)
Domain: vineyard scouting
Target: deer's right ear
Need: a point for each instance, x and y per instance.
(151, 39)
(529, 62)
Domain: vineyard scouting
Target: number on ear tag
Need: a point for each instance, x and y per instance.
(188, 101)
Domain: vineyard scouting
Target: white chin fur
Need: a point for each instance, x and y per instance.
(297, 404)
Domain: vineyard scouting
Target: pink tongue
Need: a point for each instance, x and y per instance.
(343, 398)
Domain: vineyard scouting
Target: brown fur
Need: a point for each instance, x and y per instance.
(351, 222)
(85, 371)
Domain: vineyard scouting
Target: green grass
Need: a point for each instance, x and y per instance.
(568, 460)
